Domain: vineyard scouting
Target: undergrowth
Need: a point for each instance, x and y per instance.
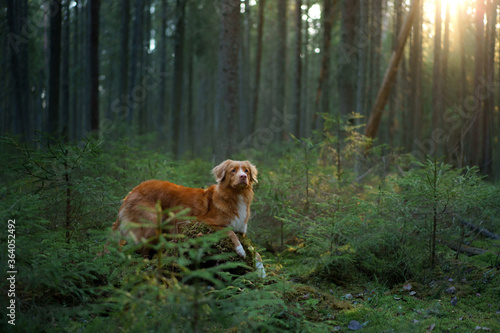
(346, 236)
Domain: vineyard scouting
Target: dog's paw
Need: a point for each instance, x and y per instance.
(240, 251)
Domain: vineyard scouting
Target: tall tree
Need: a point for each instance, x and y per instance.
(94, 63)
(228, 70)
(124, 49)
(281, 60)
(348, 57)
(394, 102)
(65, 108)
(475, 147)
(258, 65)
(135, 62)
(245, 97)
(362, 61)
(415, 97)
(298, 69)
(324, 77)
(489, 109)
(437, 76)
(18, 56)
(76, 72)
(54, 67)
(376, 19)
(163, 68)
(178, 78)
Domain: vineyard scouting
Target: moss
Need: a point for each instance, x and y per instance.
(315, 304)
(196, 229)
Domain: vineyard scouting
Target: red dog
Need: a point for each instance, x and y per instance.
(222, 205)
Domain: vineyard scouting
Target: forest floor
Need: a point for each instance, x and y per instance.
(353, 257)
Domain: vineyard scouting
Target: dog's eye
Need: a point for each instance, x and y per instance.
(234, 170)
(246, 171)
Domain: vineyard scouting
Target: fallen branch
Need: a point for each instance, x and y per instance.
(469, 250)
(482, 231)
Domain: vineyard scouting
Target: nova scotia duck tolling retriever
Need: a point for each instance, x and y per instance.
(225, 204)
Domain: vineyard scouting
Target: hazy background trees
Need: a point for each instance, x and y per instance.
(213, 77)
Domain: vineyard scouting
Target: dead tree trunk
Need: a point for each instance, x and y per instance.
(391, 73)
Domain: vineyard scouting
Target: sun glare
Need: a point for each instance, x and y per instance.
(453, 4)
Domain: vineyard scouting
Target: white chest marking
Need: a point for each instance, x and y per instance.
(238, 222)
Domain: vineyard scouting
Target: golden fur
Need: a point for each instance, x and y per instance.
(224, 204)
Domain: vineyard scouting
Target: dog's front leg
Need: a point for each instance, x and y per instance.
(237, 245)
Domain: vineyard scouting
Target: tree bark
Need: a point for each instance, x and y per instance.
(65, 108)
(416, 77)
(228, 71)
(489, 109)
(94, 64)
(258, 61)
(390, 75)
(18, 55)
(394, 103)
(162, 106)
(178, 78)
(363, 59)
(135, 51)
(348, 58)
(475, 147)
(54, 68)
(124, 50)
(298, 69)
(437, 76)
(281, 55)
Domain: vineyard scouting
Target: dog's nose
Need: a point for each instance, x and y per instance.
(243, 176)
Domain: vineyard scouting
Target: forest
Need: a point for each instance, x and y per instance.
(374, 126)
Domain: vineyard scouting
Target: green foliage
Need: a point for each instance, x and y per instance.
(343, 232)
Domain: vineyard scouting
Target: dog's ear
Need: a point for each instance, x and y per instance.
(220, 171)
(253, 172)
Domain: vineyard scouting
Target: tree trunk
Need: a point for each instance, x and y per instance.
(18, 55)
(178, 78)
(363, 57)
(298, 68)
(475, 147)
(124, 50)
(437, 76)
(488, 116)
(324, 77)
(462, 93)
(94, 64)
(395, 93)
(444, 78)
(281, 55)
(416, 75)
(258, 61)
(143, 107)
(136, 51)
(391, 73)
(228, 71)
(375, 48)
(245, 96)
(65, 74)
(348, 58)
(162, 106)
(54, 68)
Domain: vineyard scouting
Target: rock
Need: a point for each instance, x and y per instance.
(348, 296)
(454, 301)
(451, 290)
(354, 325)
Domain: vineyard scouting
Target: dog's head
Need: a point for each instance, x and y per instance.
(235, 174)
